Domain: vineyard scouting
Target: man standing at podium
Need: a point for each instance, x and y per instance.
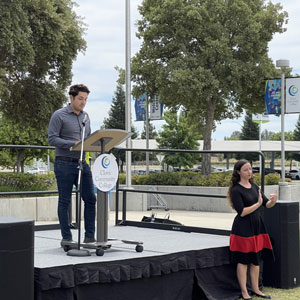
(65, 131)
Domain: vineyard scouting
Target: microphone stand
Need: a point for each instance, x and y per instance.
(78, 251)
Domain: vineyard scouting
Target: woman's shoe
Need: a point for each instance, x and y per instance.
(246, 298)
(262, 296)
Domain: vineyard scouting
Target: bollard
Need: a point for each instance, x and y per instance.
(282, 223)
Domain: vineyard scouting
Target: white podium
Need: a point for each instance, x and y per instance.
(101, 141)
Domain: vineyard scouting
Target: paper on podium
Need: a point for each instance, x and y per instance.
(110, 138)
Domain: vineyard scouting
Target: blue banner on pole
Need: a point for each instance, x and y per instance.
(273, 96)
(140, 108)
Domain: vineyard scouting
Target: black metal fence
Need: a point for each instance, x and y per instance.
(28, 193)
(124, 221)
(160, 224)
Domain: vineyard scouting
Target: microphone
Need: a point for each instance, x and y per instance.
(85, 118)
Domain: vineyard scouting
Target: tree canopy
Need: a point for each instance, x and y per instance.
(176, 134)
(12, 133)
(250, 131)
(39, 41)
(116, 113)
(152, 131)
(116, 118)
(211, 56)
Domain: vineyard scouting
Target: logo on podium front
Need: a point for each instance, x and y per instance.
(105, 172)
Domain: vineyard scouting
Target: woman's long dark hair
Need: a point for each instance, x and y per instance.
(235, 178)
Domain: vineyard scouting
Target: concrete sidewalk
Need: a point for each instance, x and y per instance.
(187, 218)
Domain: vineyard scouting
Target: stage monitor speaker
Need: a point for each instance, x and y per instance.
(282, 223)
(16, 258)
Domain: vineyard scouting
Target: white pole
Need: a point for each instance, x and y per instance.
(128, 94)
(147, 134)
(282, 63)
(282, 128)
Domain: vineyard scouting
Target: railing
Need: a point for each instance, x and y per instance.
(124, 220)
(175, 227)
(48, 226)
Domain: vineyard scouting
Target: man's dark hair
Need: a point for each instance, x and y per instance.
(76, 88)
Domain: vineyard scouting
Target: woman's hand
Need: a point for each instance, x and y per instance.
(250, 209)
(272, 201)
(273, 197)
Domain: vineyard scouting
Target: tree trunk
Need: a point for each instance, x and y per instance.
(20, 157)
(122, 167)
(209, 123)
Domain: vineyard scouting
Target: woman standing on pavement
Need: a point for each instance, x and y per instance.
(248, 239)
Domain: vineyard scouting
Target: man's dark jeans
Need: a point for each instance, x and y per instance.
(66, 176)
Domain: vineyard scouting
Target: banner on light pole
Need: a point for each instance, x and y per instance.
(156, 109)
(140, 108)
(273, 96)
(292, 95)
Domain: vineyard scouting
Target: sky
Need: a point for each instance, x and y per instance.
(105, 38)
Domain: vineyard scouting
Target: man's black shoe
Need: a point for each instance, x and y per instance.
(65, 241)
(88, 240)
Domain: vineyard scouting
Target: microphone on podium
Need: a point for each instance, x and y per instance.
(85, 118)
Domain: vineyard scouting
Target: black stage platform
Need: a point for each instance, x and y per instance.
(173, 265)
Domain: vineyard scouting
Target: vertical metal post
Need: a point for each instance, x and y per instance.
(117, 192)
(282, 63)
(102, 210)
(147, 134)
(124, 205)
(282, 128)
(128, 94)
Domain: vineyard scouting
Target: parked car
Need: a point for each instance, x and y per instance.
(213, 169)
(267, 171)
(295, 174)
(36, 171)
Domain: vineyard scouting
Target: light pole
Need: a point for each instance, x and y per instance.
(282, 63)
(128, 94)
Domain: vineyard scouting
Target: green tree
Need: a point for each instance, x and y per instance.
(250, 131)
(12, 133)
(39, 41)
(152, 136)
(266, 134)
(152, 132)
(210, 56)
(296, 137)
(235, 135)
(116, 118)
(177, 134)
(116, 114)
(288, 136)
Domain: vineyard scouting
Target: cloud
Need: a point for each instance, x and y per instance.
(106, 48)
(97, 110)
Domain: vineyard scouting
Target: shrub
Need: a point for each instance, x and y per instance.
(26, 182)
(189, 178)
(122, 178)
(271, 179)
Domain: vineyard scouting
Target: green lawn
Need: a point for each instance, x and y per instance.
(279, 294)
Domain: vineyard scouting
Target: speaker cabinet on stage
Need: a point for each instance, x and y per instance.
(16, 259)
(282, 223)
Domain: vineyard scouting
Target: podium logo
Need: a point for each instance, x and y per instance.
(105, 162)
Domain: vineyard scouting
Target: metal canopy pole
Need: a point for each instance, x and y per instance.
(128, 94)
(280, 64)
